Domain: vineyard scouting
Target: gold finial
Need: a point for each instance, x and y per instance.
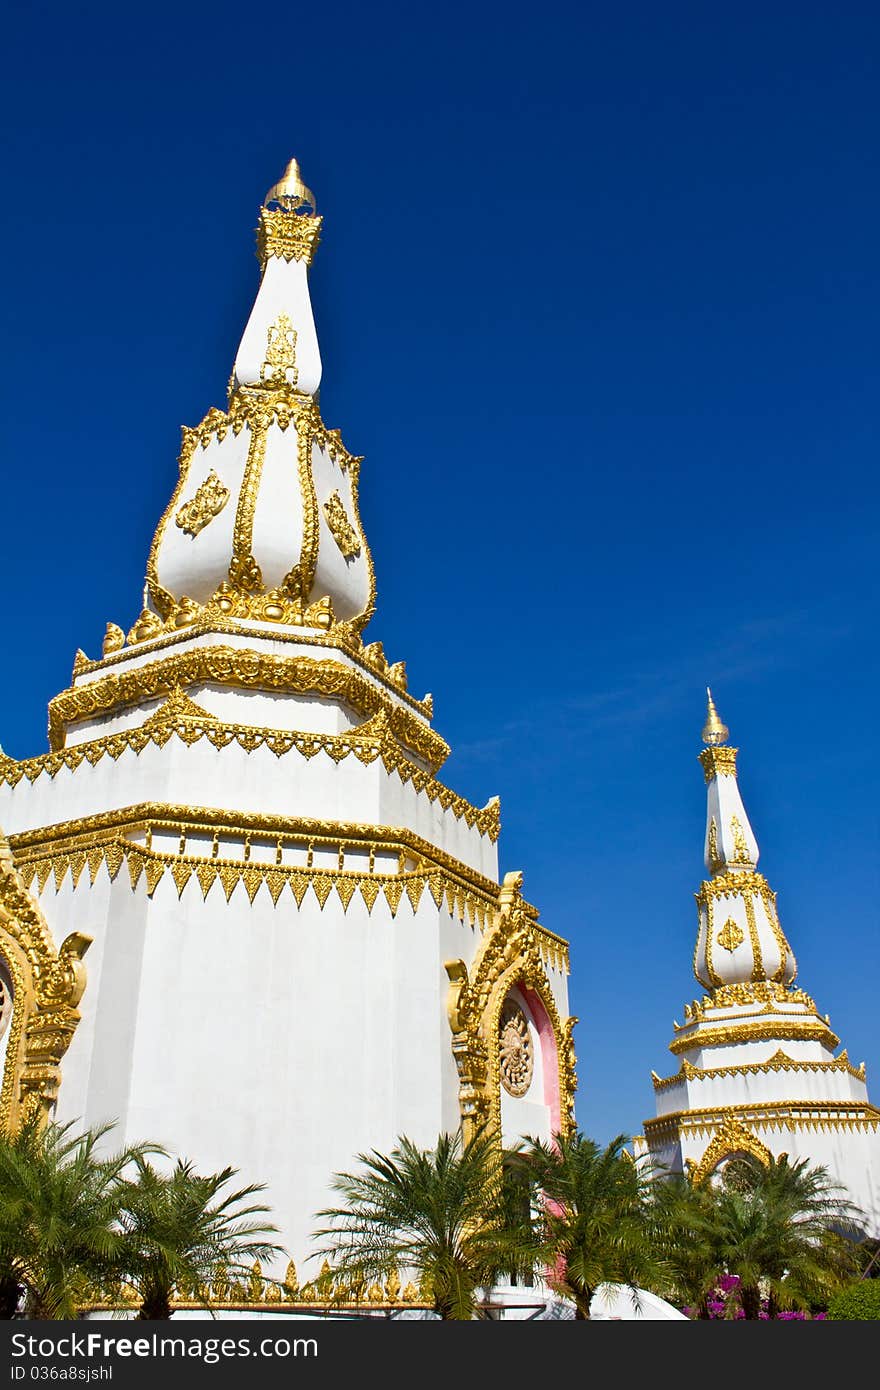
(714, 732)
(291, 193)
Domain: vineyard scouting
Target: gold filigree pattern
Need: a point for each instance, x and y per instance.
(341, 528)
(244, 572)
(509, 954)
(773, 1116)
(259, 407)
(730, 936)
(246, 669)
(279, 365)
(270, 852)
(803, 1029)
(516, 1061)
(291, 236)
(47, 984)
(718, 762)
(366, 743)
(742, 853)
(207, 502)
(714, 859)
(780, 1061)
(732, 1138)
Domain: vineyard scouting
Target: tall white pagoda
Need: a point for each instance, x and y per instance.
(757, 1070)
(263, 932)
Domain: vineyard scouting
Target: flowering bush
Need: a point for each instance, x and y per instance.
(724, 1302)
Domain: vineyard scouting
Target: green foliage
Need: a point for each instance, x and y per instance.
(781, 1229)
(454, 1215)
(858, 1301)
(595, 1217)
(179, 1227)
(58, 1209)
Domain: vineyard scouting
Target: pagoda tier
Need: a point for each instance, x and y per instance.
(300, 946)
(757, 1072)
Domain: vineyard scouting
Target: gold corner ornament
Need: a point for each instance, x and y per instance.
(208, 501)
(46, 985)
(508, 955)
(344, 534)
(114, 639)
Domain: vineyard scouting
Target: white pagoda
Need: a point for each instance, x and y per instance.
(757, 1071)
(263, 932)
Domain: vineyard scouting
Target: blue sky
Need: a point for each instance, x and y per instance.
(598, 299)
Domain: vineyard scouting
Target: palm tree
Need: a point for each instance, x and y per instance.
(179, 1228)
(684, 1229)
(594, 1215)
(58, 1204)
(452, 1215)
(783, 1227)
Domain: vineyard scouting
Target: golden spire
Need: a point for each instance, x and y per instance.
(290, 192)
(714, 732)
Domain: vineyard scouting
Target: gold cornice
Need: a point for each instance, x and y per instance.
(242, 668)
(719, 761)
(771, 1115)
(366, 743)
(809, 1030)
(338, 638)
(780, 1061)
(108, 840)
(764, 992)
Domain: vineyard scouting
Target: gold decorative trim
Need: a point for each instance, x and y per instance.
(765, 992)
(208, 501)
(47, 985)
(280, 355)
(718, 762)
(746, 885)
(110, 839)
(302, 577)
(341, 528)
(289, 235)
(244, 572)
(248, 669)
(780, 1061)
(257, 1292)
(730, 936)
(340, 637)
(508, 955)
(367, 742)
(740, 843)
(260, 407)
(768, 1115)
(733, 1137)
(754, 939)
(735, 1032)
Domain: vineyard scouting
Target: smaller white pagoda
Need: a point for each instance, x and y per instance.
(757, 1072)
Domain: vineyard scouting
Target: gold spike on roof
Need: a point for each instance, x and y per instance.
(714, 732)
(290, 191)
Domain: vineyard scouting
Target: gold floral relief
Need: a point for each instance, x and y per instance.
(341, 528)
(208, 501)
